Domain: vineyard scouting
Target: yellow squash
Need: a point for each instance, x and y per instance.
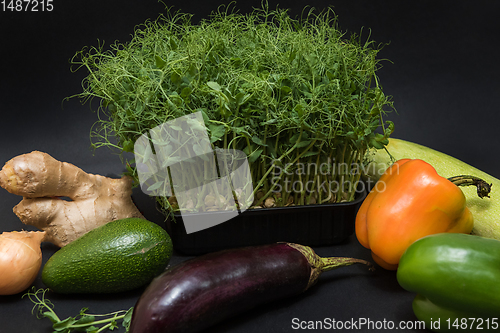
(486, 211)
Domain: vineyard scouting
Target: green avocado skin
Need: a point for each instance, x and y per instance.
(119, 256)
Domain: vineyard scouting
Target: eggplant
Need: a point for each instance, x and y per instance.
(202, 291)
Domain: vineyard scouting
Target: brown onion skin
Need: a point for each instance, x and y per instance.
(205, 290)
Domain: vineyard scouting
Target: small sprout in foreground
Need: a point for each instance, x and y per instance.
(83, 322)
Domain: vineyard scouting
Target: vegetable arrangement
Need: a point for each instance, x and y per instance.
(290, 93)
(439, 267)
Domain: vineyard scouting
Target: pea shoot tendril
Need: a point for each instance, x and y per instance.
(83, 322)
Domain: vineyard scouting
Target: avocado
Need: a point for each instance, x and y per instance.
(118, 256)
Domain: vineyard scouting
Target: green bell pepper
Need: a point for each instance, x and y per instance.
(457, 281)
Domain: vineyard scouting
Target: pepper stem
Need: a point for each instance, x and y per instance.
(483, 188)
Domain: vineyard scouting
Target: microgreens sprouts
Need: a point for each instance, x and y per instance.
(290, 93)
(83, 322)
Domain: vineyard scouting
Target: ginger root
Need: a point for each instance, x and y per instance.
(43, 180)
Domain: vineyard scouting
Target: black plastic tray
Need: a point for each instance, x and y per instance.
(311, 225)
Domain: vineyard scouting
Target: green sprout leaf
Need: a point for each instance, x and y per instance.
(216, 132)
(155, 186)
(85, 319)
(214, 85)
(52, 316)
(258, 141)
(80, 323)
(127, 318)
(63, 325)
(160, 63)
(92, 329)
(255, 155)
(128, 146)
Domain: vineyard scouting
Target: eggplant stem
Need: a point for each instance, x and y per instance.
(483, 188)
(331, 263)
(320, 265)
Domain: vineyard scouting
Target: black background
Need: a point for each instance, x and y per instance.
(443, 76)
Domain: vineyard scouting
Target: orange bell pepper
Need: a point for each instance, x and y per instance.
(411, 201)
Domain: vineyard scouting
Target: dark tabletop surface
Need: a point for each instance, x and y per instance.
(443, 78)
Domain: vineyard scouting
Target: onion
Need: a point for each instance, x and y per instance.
(20, 260)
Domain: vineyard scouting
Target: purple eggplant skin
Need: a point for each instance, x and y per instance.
(205, 290)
